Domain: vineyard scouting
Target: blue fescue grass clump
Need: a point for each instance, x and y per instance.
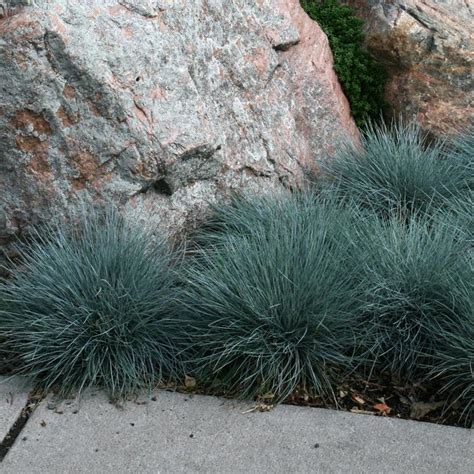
(396, 169)
(270, 297)
(91, 304)
(417, 277)
(415, 238)
(461, 149)
(453, 366)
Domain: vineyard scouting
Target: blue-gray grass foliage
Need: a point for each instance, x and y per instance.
(453, 365)
(417, 280)
(91, 303)
(371, 269)
(269, 300)
(396, 169)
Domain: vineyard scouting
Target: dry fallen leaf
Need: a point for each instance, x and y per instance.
(382, 408)
(363, 412)
(421, 409)
(358, 399)
(189, 382)
(260, 407)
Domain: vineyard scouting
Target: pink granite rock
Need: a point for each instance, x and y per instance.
(428, 48)
(162, 106)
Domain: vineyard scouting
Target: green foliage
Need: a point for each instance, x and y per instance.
(361, 78)
(269, 297)
(397, 170)
(417, 280)
(91, 304)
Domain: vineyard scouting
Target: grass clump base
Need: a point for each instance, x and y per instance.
(453, 367)
(269, 297)
(90, 304)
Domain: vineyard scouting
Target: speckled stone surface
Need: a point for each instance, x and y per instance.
(161, 106)
(428, 49)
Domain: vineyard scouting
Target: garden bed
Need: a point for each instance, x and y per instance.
(368, 271)
(381, 396)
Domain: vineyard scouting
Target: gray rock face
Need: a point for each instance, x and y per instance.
(163, 106)
(428, 48)
(8, 7)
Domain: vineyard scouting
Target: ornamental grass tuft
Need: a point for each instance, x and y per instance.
(396, 169)
(91, 303)
(270, 298)
(453, 365)
(417, 278)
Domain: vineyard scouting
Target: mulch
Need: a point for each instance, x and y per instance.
(7, 363)
(389, 398)
(381, 396)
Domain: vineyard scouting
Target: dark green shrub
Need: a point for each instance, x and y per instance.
(397, 170)
(270, 297)
(361, 78)
(90, 304)
(418, 280)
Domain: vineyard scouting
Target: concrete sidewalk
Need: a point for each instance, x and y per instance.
(13, 398)
(174, 433)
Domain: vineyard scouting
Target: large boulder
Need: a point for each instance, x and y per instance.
(428, 49)
(164, 106)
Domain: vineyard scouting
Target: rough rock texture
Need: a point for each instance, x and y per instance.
(165, 105)
(428, 47)
(8, 7)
